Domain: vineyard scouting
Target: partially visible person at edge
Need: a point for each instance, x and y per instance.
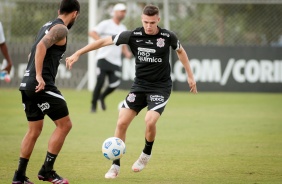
(4, 50)
(109, 59)
(152, 85)
(41, 97)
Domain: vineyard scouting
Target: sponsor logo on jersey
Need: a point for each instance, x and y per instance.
(26, 74)
(44, 106)
(165, 34)
(131, 97)
(144, 55)
(149, 42)
(139, 41)
(157, 98)
(23, 85)
(160, 42)
(146, 50)
(137, 33)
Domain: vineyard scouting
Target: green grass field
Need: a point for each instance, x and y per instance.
(203, 138)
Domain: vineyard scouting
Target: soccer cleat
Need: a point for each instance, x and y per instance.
(112, 172)
(102, 103)
(93, 109)
(141, 162)
(20, 179)
(51, 176)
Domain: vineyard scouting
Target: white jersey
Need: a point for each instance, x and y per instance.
(2, 37)
(111, 53)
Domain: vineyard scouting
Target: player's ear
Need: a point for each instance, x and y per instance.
(74, 14)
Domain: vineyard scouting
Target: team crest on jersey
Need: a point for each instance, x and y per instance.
(160, 42)
(131, 97)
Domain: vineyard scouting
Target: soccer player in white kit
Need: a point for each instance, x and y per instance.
(109, 58)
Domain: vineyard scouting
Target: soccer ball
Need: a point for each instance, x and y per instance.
(113, 148)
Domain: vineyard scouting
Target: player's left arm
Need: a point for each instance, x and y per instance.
(56, 35)
(183, 57)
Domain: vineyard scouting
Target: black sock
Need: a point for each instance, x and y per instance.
(49, 161)
(116, 162)
(148, 147)
(22, 166)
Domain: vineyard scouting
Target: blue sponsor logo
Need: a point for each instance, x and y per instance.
(108, 144)
(118, 142)
(116, 152)
(106, 155)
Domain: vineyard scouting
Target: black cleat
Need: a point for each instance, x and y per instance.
(51, 176)
(93, 109)
(103, 105)
(20, 179)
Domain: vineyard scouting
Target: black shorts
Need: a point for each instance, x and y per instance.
(36, 105)
(112, 71)
(155, 101)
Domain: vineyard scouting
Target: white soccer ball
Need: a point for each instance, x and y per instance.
(113, 148)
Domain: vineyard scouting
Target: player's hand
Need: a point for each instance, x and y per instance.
(8, 68)
(192, 85)
(41, 84)
(71, 60)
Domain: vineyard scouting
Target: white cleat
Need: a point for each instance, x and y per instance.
(141, 162)
(112, 172)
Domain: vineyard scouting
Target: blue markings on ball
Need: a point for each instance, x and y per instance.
(106, 155)
(116, 152)
(108, 144)
(119, 141)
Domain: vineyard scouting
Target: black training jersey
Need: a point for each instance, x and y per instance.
(152, 69)
(51, 61)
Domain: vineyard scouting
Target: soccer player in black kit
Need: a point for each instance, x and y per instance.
(150, 46)
(40, 96)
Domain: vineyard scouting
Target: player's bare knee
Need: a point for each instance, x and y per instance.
(64, 124)
(67, 126)
(34, 133)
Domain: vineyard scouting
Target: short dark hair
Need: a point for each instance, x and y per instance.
(151, 10)
(68, 6)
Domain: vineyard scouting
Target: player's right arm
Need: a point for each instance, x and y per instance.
(92, 46)
(121, 38)
(57, 35)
